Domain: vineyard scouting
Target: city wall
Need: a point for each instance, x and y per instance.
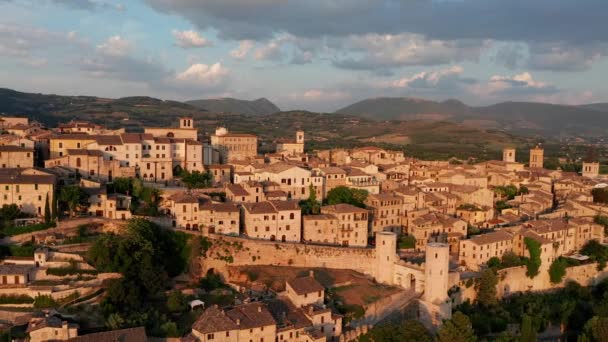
(514, 280)
(235, 251)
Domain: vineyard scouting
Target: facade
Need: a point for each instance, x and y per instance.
(508, 155)
(16, 156)
(536, 157)
(272, 220)
(234, 146)
(292, 147)
(29, 189)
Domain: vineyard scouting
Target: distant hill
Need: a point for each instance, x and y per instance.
(517, 117)
(600, 107)
(427, 139)
(260, 106)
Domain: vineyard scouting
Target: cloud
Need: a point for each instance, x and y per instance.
(243, 49)
(18, 41)
(115, 46)
(393, 51)
(514, 20)
(88, 5)
(203, 73)
(190, 39)
(446, 78)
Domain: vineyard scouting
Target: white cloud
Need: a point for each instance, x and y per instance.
(115, 46)
(429, 79)
(270, 51)
(204, 74)
(388, 51)
(190, 39)
(243, 50)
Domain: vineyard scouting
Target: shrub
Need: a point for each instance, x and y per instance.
(407, 241)
(557, 271)
(71, 270)
(11, 231)
(16, 299)
(44, 302)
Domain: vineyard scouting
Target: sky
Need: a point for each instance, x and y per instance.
(313, 54)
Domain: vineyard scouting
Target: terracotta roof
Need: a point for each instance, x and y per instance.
(82, 152)
(343, 208)
(214, 319)
(184, 197)
(16, 176)
(73, 136)
(484, 239)
(135, 138)
(15, 269)
(237, 189)
(220, 207)
(332, 170)
(253, 315)
(285, 205)
(11, 148)
(123, 335)
(108, 139)
(259, 208)
(304, 285)
(318, 217)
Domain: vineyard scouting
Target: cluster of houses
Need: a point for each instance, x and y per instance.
(428, 201)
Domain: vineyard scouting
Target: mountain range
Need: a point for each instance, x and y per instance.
(530, 118)
(519, 118)
(260, 106)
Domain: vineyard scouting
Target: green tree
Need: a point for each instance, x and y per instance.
(603, 220)
(44, 302)
(557, 270)
(73, 197)
(55, 207)
(600, 195)
(597, 328)
(197, 180)
(310, 206)
(176, 302)
(123, 185)
(343, 194)
(528, 332)
(47, 210)
(486, 288)
(596, 252)
(534, 262)
(457, 329)
(9, 212)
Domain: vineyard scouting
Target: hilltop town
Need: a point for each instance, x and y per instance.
(223, 243)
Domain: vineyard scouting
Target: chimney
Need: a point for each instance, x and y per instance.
(259, 308)
(311, 273)
(238, 321)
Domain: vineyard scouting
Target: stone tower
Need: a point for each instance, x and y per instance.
(508, 155)
(537, 155)
(436, 269)
(591, 169)
(186, 122)
(300, 137)
(386, 256)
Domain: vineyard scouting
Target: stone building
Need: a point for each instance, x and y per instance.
(51, 328)
(16, 156)
(292, 147)
(234, 146)
(508, 154)
(220, 218)
(29, 189)
(386, 212)
(537, 157)
(272, 220)
(243, 323)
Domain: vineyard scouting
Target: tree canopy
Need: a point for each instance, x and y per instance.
(197, 180)
(73, 197)
(343, 194)
(146, 255)
(457, 329)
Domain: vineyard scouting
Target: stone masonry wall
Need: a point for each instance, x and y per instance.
(236, 251)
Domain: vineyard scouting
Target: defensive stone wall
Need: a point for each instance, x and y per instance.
(513, 280)
(237, 251)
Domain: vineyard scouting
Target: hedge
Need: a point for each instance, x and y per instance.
(11, 231)
(64, 271)
(16, 299)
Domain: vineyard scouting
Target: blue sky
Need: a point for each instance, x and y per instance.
(314, 54)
